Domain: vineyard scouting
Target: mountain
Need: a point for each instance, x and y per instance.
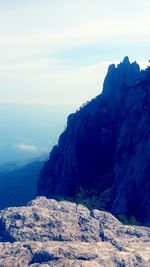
(103, 156)
(16, 165)
(18, 181)
(51, 233)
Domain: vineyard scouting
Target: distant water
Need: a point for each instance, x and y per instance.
(27, 131)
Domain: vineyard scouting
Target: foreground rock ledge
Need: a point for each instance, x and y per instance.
(52, 233)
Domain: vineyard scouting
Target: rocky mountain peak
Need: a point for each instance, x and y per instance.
(124, 74)
(102, 157)
(126, 60)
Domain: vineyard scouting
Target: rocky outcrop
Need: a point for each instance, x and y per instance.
(105, 147)
(51, 233)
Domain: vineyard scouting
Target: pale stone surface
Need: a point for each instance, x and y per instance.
(50, 233)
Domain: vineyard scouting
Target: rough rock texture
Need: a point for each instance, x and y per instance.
(106, 146)
(51, 233)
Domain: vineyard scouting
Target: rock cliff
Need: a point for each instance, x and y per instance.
(52, 233)
(105, 148)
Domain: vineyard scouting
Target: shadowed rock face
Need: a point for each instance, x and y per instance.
(106, 146)
(52, 233)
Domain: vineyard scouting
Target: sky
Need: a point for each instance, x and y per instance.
(29, 131)
(57, 52)
(54, 55)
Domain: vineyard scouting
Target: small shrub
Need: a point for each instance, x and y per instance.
(128, 221)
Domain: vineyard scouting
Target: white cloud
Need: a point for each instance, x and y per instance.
(32, 148)
(144, 64)
(30, 65)
(32, 45)
(36, 28)
(35, 33)
(51, 82)
(27, 148)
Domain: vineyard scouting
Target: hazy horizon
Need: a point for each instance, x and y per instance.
(54, 57)
(28, 131)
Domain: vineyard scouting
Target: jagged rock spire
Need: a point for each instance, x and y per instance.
(125, 73)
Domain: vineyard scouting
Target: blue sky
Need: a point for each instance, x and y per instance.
(57, 52)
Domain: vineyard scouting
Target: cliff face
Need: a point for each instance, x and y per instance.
(105, 147)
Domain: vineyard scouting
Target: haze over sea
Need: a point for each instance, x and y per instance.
(28, 131)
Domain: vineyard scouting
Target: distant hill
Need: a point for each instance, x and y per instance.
(103, 157)
(16, 165)
(18, 181)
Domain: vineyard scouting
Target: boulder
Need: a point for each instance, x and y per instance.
(47, 232)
